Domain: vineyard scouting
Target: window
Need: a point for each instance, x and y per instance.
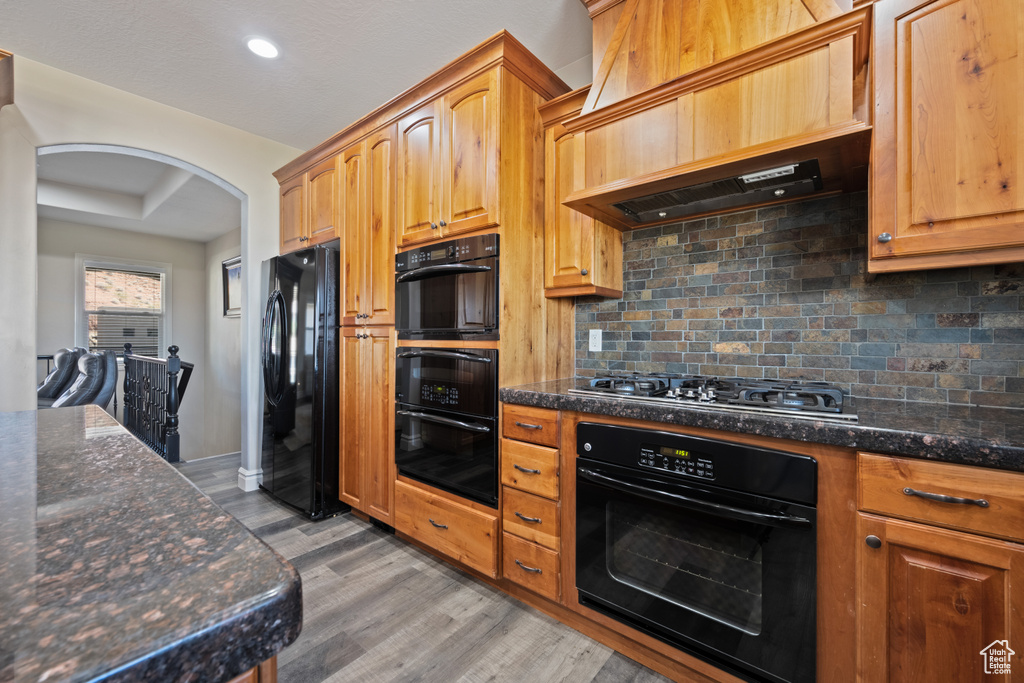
(123, 302)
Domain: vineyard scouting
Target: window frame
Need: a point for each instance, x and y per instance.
(83, 261)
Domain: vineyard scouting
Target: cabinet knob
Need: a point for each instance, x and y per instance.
(443, 223)
(885, 237)
(433, 226)
(873, 541)
(584, 271)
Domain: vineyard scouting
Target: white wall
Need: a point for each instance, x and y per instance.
(58, 242)
(54, 107)
(222, 358)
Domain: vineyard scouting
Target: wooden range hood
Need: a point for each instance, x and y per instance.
(691, 95)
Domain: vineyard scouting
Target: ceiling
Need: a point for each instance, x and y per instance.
(128, 192)
(340, 59)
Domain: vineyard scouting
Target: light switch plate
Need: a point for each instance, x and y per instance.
(595, 340)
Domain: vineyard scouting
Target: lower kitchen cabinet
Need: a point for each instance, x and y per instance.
(936, 604)
(366, 420)
(530, 507)
(931, 600)
(466, 534)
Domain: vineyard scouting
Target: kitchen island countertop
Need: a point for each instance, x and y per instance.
(968, 435)
(116, 567)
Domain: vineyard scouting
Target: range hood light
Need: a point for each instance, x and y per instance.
(769, 174)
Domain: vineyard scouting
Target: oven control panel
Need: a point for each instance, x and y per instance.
(676, 460)
(439, 394)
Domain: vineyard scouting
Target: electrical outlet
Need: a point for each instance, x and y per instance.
(595, 340)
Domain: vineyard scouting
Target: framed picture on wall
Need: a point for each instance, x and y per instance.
(232, 271)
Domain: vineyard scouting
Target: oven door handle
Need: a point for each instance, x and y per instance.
(441, 269)
(444, 421)
(444, 354)
(718, 509)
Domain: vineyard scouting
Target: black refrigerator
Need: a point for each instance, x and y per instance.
(299, 356)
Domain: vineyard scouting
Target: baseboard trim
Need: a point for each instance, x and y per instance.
(249, 480)
(237, 454)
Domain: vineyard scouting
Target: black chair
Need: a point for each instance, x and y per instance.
(63, 375)
(97, 377)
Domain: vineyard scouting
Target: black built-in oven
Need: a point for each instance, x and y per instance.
(448, 290)
(446, 419)
(707, 545)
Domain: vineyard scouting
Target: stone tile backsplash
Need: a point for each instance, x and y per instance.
(783, 293)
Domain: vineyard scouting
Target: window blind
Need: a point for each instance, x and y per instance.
(124, 306)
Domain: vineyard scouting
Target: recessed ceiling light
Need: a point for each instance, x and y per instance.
(263, 47)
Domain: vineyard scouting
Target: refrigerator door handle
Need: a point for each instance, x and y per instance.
(273, 364)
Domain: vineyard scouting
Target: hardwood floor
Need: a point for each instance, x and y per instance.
(378, 609)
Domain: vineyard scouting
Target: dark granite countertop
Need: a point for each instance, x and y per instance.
(987, 437)
(115, 567)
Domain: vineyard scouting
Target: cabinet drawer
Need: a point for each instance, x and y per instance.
(530, 468)
(465, 534)
(530, 565)
(530, 517)
(884, 484)
(536, 425)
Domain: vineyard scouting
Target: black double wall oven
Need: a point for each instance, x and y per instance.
(446, 410)
(707, 545)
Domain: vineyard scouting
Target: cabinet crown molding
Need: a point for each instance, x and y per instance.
(501, 49)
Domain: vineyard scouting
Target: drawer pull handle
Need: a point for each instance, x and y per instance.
(534, 570)
(940, 498)
(531, 520)
(525, 469)
(528, 426)
(439, 526)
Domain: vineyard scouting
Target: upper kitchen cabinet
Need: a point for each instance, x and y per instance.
(947, 179)
(466, 145)
(582, 256)
(293, 214)
(703, 106)
(309, 207)
(368, 230)
(448, 163)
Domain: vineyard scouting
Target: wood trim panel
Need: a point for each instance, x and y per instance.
(595, 7)
(855, 23)
(564, 107)
(501, 49)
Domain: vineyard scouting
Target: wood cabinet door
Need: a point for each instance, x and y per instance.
(931, 600)
(351, 427)
(293, 213)
(377, 397)
(379, 295)
(323, 188)
(418, 175)
(947, 179)
(568, 234)
(470, 155)
(353, 234)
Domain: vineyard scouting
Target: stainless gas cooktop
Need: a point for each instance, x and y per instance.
(810, 400)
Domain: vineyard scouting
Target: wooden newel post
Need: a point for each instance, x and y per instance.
(173, 367)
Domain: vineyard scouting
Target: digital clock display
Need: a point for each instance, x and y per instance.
(673, 452)
(437, 254)
(438, 390)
